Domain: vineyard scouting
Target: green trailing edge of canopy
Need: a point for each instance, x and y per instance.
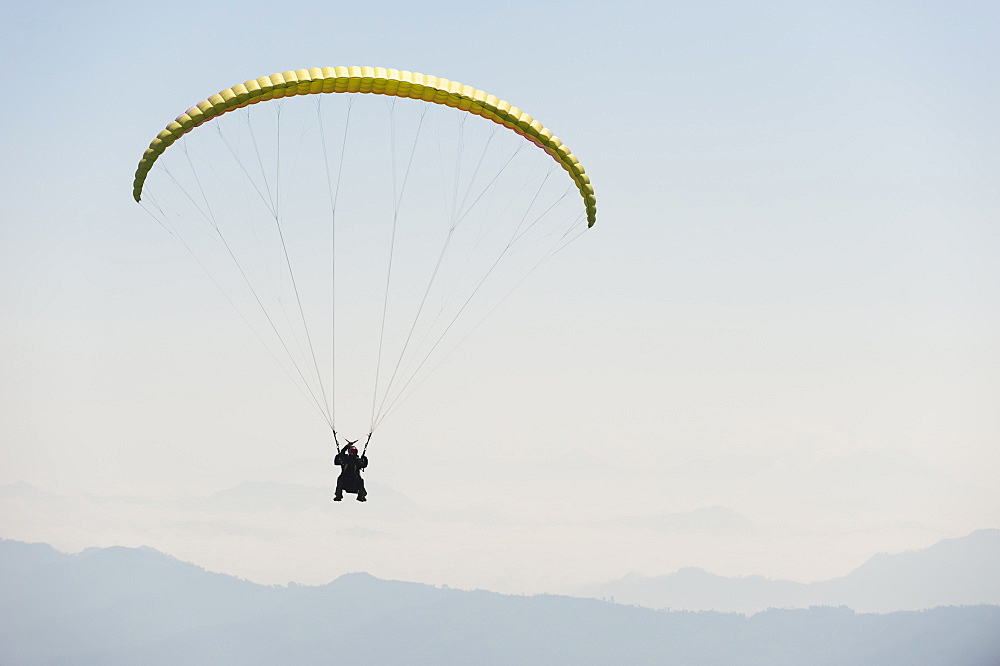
(378, 81)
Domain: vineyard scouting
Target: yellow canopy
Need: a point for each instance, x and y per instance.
(379, 81)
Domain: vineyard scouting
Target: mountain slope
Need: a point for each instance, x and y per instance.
(952, 572)
(128, 606)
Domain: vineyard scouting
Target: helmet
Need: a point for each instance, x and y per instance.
(353, 450)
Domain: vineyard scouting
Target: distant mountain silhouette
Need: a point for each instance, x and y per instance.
(138, 606)
(953, 572)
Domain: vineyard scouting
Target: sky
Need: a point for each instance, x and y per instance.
(777, 352)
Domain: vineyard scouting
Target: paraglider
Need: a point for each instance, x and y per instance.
(257, 200)
(351, 465)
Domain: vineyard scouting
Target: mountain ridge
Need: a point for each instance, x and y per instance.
(138, 605)
(951, 572)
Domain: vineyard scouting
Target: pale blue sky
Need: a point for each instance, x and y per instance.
(788, 306)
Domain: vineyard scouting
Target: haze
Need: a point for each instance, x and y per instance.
(776, 353)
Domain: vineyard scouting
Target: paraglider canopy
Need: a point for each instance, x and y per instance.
(245, 201)
(380, 81)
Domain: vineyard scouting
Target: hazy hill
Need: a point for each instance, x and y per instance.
(132, 606)
(952, 572)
